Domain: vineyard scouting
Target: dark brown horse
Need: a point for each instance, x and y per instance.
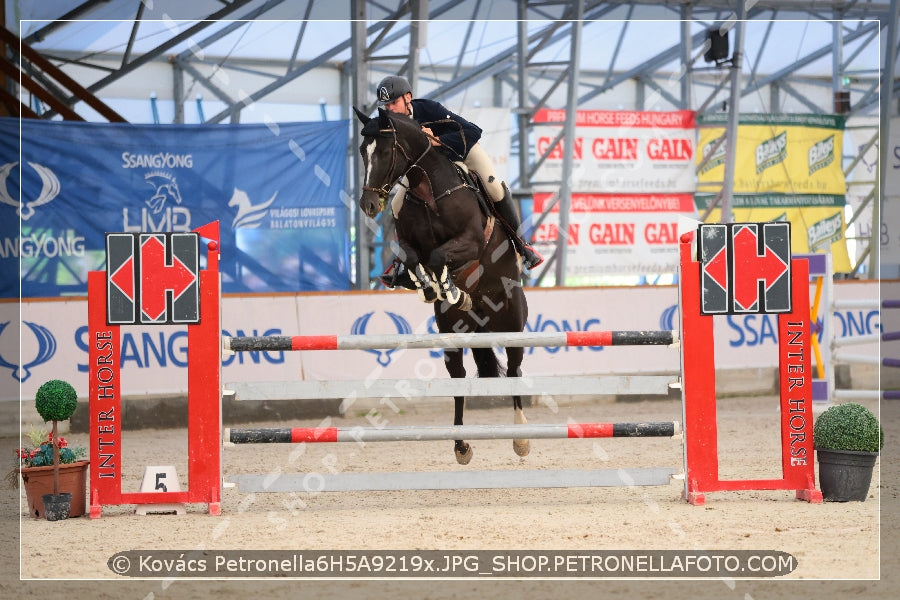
(458, 256)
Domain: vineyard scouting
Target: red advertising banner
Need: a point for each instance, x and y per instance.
(633, 175)
(620, 151)
(616, 234)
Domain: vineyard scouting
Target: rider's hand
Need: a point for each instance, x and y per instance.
(434, 140)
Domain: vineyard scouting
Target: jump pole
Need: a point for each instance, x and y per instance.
(449, 340)
(297, 435)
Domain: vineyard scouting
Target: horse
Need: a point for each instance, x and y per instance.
(458, 256)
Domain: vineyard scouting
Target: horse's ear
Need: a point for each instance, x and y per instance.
(363, 118)
(384, 119)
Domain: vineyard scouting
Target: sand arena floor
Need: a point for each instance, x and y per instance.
(842, 548)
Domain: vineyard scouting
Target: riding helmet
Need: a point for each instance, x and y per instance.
(391, 88)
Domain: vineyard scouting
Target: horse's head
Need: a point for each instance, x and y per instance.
(387, 155)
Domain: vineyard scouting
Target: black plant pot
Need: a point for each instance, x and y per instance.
(845, 475)
(56, 507)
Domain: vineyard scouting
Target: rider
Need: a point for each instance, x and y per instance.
(459, 141)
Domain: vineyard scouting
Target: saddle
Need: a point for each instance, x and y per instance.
(473, 180)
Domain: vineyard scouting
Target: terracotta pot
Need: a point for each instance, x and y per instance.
(39, 481)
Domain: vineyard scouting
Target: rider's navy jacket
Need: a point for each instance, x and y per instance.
(456, 134)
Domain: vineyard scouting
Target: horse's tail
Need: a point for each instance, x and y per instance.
(487, 363)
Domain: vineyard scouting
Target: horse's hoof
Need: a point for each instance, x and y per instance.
(463, 458)
(521, 447)
(465, 303)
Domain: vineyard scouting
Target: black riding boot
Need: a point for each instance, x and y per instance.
(397, 274)
(507, 213)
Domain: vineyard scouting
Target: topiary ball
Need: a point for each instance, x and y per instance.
(848, 426)
(56, 400)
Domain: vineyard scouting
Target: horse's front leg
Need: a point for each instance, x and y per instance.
(428, 289)
(453, 361)
(426, 285)
(455, 252)
(514, 358)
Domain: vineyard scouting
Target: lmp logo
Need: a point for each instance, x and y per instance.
(49, 189)
(46, 348)
(165, 190)
(248, 214)
(382, 356)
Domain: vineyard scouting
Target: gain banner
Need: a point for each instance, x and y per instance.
(277, 191)
(616, 234)
(616, 152)
(633, 175)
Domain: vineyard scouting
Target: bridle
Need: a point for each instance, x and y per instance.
(385, 190)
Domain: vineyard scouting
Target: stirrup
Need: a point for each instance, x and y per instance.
(397, 275)
(389, 277)
(531, 258)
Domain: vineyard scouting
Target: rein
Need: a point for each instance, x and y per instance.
(385, 190)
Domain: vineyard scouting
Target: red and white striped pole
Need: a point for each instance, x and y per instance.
(450, 340)
(296, 435)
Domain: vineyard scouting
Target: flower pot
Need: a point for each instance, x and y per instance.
(56, 507)
(38, 481)
(845, 475)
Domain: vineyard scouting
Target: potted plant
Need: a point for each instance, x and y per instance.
(50, 465)
(847, 438)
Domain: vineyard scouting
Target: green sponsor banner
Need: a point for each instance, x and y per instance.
(777, 120)
(703, 201)
(817, 220)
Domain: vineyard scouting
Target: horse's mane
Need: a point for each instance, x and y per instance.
(380, 126)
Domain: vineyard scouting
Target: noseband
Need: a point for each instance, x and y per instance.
(385, 190)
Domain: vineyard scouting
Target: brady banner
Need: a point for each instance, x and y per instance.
(616, 234)
(276, 189)
(620, 151)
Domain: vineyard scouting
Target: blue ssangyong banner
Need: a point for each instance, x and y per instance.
(276, 189)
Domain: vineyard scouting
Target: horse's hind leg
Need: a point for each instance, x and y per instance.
(453, 361)
(513, 365)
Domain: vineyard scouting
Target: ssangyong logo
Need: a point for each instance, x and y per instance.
(668, 321)
(49, 189)
(382, 356)
(46, 348)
